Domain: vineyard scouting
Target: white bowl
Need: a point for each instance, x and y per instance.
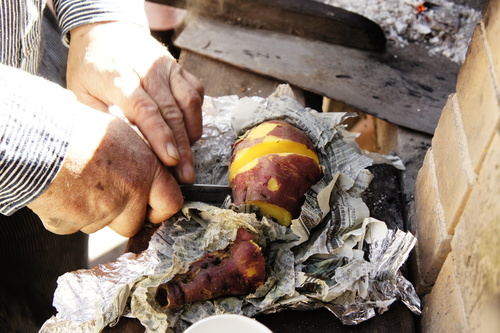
(228, 323)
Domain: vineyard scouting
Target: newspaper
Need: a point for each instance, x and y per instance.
(334, 255)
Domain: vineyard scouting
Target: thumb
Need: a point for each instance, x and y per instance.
(165, 197)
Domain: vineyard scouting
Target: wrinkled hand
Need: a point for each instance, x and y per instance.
(110, 177)
(119, 63)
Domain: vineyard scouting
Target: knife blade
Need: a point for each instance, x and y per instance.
(208, 193)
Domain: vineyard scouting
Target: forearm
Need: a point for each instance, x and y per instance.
(75, 13)
(35, 129)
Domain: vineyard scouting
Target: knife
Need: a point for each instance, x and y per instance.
(311, 19)
(211, 194)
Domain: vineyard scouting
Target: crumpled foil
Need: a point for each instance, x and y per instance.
(334, 255)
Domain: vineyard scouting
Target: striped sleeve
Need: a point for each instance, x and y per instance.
(35, 129)
(20, 25)
(74, 13)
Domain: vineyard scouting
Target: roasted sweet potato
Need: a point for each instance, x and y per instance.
(272, 166)
(237, 270)
(276, 183)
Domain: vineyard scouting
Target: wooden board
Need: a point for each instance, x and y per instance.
(405, 86)
(221, 79)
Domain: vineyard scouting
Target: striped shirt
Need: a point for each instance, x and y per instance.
(36, 115)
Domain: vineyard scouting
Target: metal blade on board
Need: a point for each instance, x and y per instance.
(211, 194)
(309, 19)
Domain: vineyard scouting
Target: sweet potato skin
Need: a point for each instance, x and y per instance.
(283, 130)
(279, 179)
(237, 270)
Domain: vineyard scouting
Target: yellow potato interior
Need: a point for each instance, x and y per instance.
(273, 184)
(261, 130)
(253, 163)
(247, 166)
(270, 145)
(281, 215)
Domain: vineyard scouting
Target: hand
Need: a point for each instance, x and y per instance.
(119, 63)
(108, 178)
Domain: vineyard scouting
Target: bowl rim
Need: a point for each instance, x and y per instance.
(246, 319)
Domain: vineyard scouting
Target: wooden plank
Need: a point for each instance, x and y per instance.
(405, 86)
(221, 79)
(306, 18)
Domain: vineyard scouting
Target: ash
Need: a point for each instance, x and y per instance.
(442, 27)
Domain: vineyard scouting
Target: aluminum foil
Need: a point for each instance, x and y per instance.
(334, 255)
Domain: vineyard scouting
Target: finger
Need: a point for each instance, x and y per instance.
(194, 82)
(131, 220)
(188, 94)
(144, 112)
(128, 218)
(174, 117)
(58, 227)
(165, 197)
(184, 170)
(107, 218)
(91, 228)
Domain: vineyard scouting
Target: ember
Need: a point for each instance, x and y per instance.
(424, 6)
(442, 26)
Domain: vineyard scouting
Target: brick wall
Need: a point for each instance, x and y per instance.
(457, 197)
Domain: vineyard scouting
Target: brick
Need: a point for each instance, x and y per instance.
(453, 170)
(433, 239)
(411, 148)
(476, 244)
(421, 287)
(443, 308)
(491, 14)
(477, 99)
(484, 317)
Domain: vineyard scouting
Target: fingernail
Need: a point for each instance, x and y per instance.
(172, 151)
(187, 173)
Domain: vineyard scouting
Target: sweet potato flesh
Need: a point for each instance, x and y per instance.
(237, 270)
(261, 130)
(273, 184)
(275, 128)
(281, 215)
(270, 145)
